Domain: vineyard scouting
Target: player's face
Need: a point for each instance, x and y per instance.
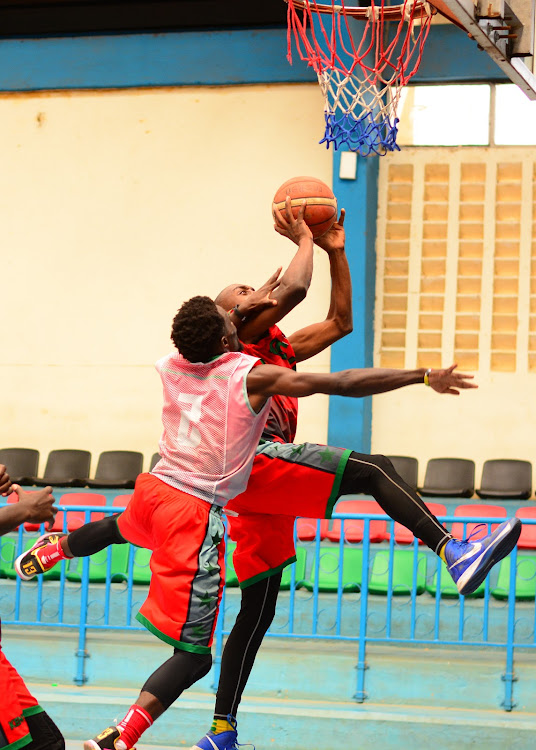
(234, 294)
(231, 342)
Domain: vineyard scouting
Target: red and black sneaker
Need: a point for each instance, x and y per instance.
(42, 556)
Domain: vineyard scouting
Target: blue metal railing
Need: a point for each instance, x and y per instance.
(359, 592)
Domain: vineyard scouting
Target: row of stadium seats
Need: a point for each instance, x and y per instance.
(410, 573)
(379, 530)
(504, 478)
(307, 529)
(70, 468)
(445, 477)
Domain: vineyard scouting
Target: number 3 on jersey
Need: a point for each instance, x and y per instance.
(188, 434)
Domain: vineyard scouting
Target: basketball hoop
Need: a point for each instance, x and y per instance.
(361, 83)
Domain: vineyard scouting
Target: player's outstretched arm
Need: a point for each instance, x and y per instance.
(295, 281)
(268, 380)
(35, 507)
(315, 338)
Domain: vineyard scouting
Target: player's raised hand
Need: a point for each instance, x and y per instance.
(335, 237)
(448, 381)
(39, 506)
(260, 299)
(289, 226)
(5, 481)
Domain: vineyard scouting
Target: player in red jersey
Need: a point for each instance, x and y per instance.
(23, 722)
(306, 479)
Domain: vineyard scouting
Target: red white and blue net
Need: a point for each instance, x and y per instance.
(361, 69)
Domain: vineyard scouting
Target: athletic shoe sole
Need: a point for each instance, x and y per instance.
(92, 745)
(19, 559)
(497, 550)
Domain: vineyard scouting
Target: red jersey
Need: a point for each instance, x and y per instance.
(275, 349)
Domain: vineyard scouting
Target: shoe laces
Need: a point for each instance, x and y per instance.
(475, 531)
(233, 722)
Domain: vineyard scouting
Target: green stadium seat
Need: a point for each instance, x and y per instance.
(98, 565)
(231, 580)
(8, 549)
(328, 573)
(286, 578)
(402, 564)
(141, 570)
(525, 578)
(8, 555)
(448, 587)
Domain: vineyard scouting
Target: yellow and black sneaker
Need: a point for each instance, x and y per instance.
(42, 556)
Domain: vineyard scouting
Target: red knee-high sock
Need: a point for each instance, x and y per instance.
(134, 725)
(54, 551)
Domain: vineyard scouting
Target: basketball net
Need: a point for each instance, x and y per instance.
(361, 84)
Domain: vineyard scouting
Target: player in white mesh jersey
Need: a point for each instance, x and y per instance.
(209, 389)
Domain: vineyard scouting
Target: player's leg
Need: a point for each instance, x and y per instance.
(467, 562)
(187, 564)
(161, 689)
(23, 722)
(50, 549)
(355, 473)
(257, 611)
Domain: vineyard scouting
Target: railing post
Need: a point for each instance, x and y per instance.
(360, 694)
(509, 676)
(81, 653)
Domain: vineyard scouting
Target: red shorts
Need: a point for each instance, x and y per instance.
(187, 564)
(287, 480)
(16, 703)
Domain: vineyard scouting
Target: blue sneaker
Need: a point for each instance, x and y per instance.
(469, 562)
(221, 741)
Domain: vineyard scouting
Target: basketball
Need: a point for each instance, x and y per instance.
(321, 209)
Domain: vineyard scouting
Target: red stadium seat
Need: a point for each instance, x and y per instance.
(527, 540)
(405, 536)
(476, 510)
(121, 501)
(306, 529)
(353, 529)
(75, 518)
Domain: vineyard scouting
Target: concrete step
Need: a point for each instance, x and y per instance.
(294, 725)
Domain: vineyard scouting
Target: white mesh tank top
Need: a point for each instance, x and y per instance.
(210, 430)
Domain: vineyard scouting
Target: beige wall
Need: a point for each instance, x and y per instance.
(115, 208)
(456, 282)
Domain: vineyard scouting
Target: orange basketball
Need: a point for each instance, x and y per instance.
(321, 209)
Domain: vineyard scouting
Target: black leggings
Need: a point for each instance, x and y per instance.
(177, 674)
(95, 536)
(370, 475)
(376, 476)
(257, 611)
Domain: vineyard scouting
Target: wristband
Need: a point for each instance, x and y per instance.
(427, 376)
(237, 312)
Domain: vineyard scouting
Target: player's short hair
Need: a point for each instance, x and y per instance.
(197, 329)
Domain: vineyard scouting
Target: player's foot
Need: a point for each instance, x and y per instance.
(222, 740)
(469, 562)
(39, 558)
(108, 739)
